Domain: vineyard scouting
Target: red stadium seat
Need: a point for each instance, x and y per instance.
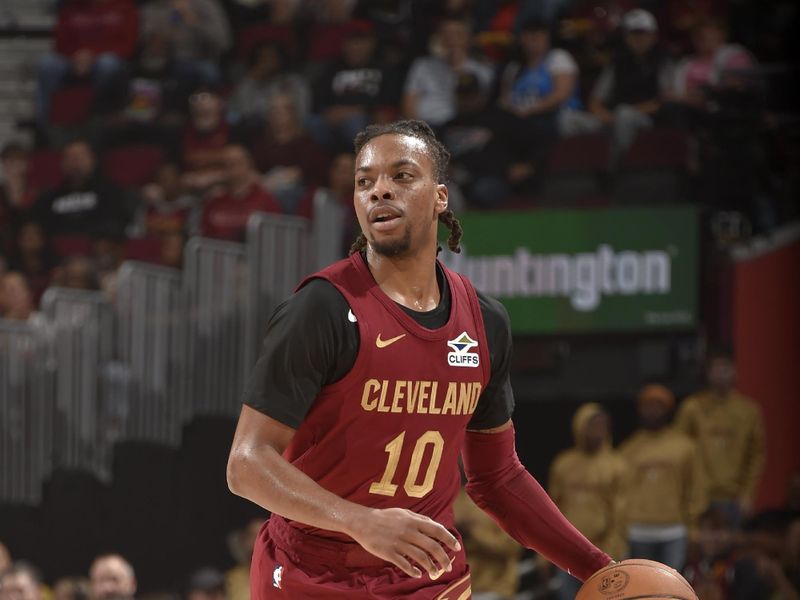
(132, 165)
(146, 249)
(657, 148)
(71, 105)
(575, 166)
(326, 41)
(45, 169)
(585, 154)
(254, 35)
(653, 169)
(72, 245)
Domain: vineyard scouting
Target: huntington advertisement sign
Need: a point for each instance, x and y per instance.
(583, 271)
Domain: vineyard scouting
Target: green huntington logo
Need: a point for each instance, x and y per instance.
(584, 278)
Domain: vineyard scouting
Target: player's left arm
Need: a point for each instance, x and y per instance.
(499, 483)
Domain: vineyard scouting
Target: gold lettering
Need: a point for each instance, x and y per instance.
(382, 406)
(367, 402)
(411, 399)
(398, 395)
(464, 390)
(476, 392)
(450, 399)
(424, 387)
(432, 408)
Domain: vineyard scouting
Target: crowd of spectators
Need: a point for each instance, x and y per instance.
(161, 119)
(111, 576)
(680, 490)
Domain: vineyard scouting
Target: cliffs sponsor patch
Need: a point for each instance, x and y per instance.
(461, 355)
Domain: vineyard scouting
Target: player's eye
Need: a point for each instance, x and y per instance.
(403, 175)
(361, 181)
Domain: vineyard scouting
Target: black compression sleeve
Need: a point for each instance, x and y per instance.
(309, 343)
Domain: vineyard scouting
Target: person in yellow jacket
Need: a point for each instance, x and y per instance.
(728, 430)
(588, 482)
(493, 555)
(667, 491)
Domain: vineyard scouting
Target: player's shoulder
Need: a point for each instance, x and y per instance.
(495, 315)
(318, 299)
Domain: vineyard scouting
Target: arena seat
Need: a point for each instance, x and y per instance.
(326, 41)
(45, 169)
(146, 249)
(72, 245)
(132, 165)
(653, 169)
(255, 35)
(71, 105)
(575, 166)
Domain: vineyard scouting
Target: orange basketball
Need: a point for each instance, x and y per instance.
(636, 578)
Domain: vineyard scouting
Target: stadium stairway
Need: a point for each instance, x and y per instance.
(25, 30)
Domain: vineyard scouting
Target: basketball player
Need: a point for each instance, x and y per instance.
(374, 377)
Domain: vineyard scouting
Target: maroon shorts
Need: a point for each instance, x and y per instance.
(289, 563)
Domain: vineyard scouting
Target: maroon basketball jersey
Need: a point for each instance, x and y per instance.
(389, 433)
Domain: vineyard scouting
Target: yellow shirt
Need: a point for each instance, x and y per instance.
(589, 489)
(493, 556)
(237, 581)
(667, 483)
(730, 437)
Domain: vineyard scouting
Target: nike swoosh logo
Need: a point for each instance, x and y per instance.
(383, 343)
(351, 317)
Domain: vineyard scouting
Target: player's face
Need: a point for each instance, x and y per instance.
(397, 198)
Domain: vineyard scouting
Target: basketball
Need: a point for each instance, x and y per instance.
(636, 578)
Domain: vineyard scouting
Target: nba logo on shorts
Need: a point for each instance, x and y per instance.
(276, 576)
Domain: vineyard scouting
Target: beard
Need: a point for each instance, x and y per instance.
(393, 248)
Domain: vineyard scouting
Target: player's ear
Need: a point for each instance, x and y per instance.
(441, 199)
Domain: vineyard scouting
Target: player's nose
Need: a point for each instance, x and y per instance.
(382, 190)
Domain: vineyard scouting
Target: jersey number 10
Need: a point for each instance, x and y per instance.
(385, 487)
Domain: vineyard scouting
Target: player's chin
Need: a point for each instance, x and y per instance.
(391, 245)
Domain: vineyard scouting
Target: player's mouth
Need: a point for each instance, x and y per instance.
(384, 218)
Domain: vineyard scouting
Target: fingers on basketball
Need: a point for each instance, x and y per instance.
(636, 578)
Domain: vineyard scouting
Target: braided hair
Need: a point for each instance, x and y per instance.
(441, 159)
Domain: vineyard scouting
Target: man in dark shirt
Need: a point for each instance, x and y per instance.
(352, 90)
(627, 95)
(480, 159)
(375, 377)
(85, 204)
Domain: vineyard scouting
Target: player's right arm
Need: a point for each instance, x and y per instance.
(303, 345)
(257, 471)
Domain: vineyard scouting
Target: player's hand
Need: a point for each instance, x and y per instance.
(405, 538)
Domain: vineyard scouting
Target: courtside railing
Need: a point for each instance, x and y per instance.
(89, 371)
(27, 410)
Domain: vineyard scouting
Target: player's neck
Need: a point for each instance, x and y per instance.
(409, 280)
